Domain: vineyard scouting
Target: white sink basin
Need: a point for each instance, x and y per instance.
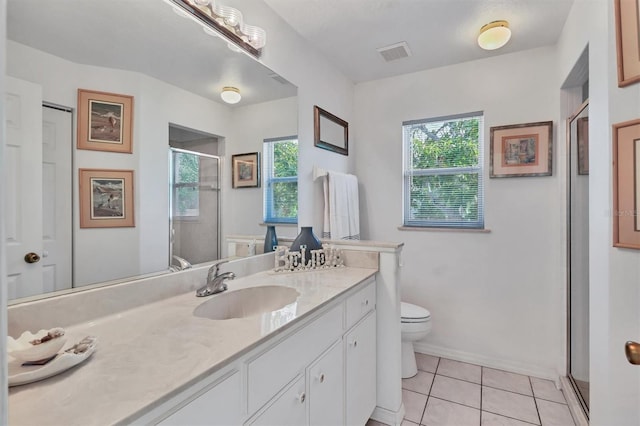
(246, 302)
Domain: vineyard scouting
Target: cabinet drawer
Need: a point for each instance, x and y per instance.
(361, 303)
(273, 369)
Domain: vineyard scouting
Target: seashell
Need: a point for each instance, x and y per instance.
(35, 347)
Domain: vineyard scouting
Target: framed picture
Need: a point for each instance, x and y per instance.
(628, 41)
(521, 150)
(106, 198)
(330, 132)
(246, 170)
(626, 184)
(105, 121)
(583, 145)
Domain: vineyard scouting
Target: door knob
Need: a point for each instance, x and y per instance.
(31, 257)
(632, 351)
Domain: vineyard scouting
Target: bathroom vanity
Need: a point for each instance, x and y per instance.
(311, 362)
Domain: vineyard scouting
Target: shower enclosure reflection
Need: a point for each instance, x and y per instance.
(578, 229)
(194, 198)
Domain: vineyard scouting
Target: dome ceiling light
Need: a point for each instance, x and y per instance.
(230, 95)
(494, 35)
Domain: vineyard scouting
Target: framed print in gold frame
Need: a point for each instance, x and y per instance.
(245, 169)
(627, 14)
(106, 198)
(105, 121)
(626, 184)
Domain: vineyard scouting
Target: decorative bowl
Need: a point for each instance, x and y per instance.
(29, 347)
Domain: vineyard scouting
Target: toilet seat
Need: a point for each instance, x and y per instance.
(410, 313)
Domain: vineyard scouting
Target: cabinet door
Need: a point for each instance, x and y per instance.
(361, 371)
(220, 405)
(326, 388)
(289, 409)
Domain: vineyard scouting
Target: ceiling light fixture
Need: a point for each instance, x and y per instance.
(494, 35)
(225, 21)
(230, 95)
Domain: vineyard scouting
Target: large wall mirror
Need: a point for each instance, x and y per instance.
(175, 72)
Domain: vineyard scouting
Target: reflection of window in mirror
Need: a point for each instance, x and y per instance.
(280, 165)
(186, 175)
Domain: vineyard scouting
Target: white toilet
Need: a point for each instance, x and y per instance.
(416, 324)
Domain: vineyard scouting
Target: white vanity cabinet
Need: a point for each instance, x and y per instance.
(287, 409)
(360, 363)
(217, 405)
(321, 372)
(325, 379)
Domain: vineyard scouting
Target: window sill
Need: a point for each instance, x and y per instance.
(434, 229)
(279, 224)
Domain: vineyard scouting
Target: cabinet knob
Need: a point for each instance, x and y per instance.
(302, 397)
(354, 343)
(321, 378)
(366, 302)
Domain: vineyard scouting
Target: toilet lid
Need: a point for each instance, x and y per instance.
(413, 313)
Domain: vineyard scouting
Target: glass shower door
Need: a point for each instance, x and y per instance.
(195, 207)
(578, 252)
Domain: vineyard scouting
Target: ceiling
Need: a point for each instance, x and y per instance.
(438, 32)
(144, 36)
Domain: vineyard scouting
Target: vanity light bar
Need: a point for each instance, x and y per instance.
(225, 21)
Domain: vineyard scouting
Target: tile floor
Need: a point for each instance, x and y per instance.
(452, 393)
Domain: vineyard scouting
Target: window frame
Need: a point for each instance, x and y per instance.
(269, 180)
(445, 171)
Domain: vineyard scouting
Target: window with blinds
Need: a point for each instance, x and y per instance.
(443, 177)
(280, 165)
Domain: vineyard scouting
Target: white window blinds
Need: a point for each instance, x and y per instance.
(443, 171)
(281, 180)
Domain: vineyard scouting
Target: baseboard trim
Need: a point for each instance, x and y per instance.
(388, 417)
(572, 401)
(491, 362)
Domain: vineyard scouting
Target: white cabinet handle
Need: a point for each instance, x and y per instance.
(302, 397)
(354, 343)
(366, 302)
(321, 378)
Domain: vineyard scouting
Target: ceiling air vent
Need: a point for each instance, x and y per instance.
(395, 51)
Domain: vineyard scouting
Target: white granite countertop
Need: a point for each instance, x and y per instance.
(148, 354)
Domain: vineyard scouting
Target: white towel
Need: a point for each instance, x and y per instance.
(341, 207)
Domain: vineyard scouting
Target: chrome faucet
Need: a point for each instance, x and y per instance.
(182, 264)
(215, 281)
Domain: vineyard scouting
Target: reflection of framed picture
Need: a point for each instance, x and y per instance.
(521, 150)
(626, 184)
(583, 145)
(105, 121)
(246, 170)
(628, 41)
(106, 198)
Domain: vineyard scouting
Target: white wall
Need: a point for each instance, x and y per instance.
(495, 298)
(319, 83)
(614, 273)
(4, 419)
(252, 124)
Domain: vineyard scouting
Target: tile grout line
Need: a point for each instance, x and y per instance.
(481, 391)
(535, 402)
(424, 411)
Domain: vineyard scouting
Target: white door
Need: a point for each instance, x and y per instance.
(23, 167)
(57, 191)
